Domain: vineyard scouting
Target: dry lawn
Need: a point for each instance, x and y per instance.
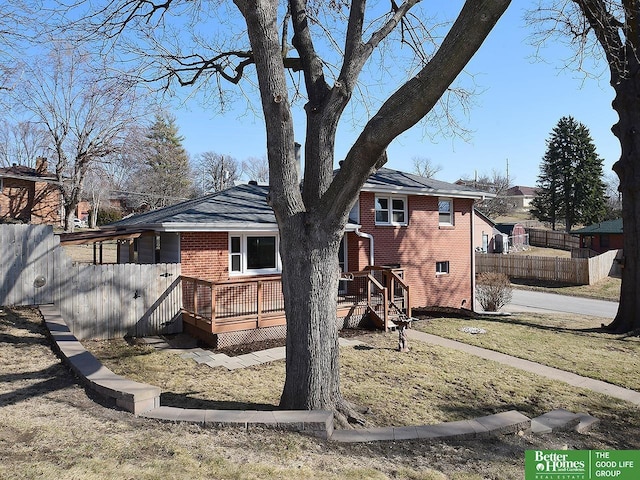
(569, 342)
(606, 289)
(50, 429)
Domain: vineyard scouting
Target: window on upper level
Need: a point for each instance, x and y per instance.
(445, 211)
(391, 210)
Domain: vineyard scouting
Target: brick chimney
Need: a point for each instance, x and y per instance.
(41, 166)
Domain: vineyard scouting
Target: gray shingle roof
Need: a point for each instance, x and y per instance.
(387, 179)
(245, 207)
(239, 206)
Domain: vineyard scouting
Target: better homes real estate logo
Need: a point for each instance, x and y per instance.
(582, 464)
(557, 464)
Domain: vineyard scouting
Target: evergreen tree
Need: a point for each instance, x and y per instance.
(570, 184)
(166, 175)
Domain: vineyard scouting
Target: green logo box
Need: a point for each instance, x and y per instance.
(582, 464)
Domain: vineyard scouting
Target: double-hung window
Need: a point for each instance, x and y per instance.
(253, 254)
(445, 211)
(391, 210)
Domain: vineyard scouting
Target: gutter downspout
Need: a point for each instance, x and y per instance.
(472, 307)
(370, 238)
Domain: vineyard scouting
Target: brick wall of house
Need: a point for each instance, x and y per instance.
(48, 203)
(30, 202)
(15, 199)
(418, 246)
(205, 255)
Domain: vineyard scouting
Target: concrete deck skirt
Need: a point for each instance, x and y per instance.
(144, 400)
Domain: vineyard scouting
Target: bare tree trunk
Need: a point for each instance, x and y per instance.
(310, 284)
(628, 169)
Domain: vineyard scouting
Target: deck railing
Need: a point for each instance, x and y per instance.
(246, 304)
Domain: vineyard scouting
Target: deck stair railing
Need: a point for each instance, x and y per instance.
(396, 292)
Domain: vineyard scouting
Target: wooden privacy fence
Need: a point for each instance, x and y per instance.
(552, 239)
(578, 271)
(97, 301)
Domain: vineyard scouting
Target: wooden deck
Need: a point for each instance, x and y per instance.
(247, 304)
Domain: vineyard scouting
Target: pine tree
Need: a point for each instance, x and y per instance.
(165, 177)
(570, 184)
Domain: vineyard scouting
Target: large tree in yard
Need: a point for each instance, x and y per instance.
(287, 42)
(611, 29)
(570, 185)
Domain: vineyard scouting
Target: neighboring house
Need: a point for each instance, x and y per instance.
(419, 227)
(602, 237)
(484, 232)
(30, 195)
(520, 197)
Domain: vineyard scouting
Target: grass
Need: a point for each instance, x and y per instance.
(50, 428)
(606, 289)
(567, 342)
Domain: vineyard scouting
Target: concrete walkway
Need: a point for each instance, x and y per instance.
(533, 367)
(213, 359)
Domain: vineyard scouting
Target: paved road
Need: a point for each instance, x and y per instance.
(526, 300)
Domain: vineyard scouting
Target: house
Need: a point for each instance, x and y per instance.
(602, 237)
(484, 232)
(405, 234)
(520, 197)
(30, 195)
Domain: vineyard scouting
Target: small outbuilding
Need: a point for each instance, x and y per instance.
(602, 237)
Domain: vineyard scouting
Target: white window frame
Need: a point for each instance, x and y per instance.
(354, 214)
(390, 210)
(443, 267)
(242, 254)
(450, 213)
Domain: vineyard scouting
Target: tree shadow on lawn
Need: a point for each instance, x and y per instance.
(511, 320)
(41, 382)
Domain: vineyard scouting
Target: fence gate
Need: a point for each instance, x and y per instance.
(97, 301)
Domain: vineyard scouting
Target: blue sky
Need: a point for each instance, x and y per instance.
(519, 103)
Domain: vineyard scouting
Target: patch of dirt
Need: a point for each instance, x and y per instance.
(243, 349)
(435, 311)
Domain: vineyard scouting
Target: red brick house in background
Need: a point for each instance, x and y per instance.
(30, 195)
(602, 237)
(421, 227)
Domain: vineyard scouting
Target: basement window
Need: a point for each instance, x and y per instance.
(442, 268)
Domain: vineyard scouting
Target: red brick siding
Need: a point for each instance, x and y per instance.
(418, 246)
(616, 242)
(205, 255)
(46, 208)
(31, 202)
